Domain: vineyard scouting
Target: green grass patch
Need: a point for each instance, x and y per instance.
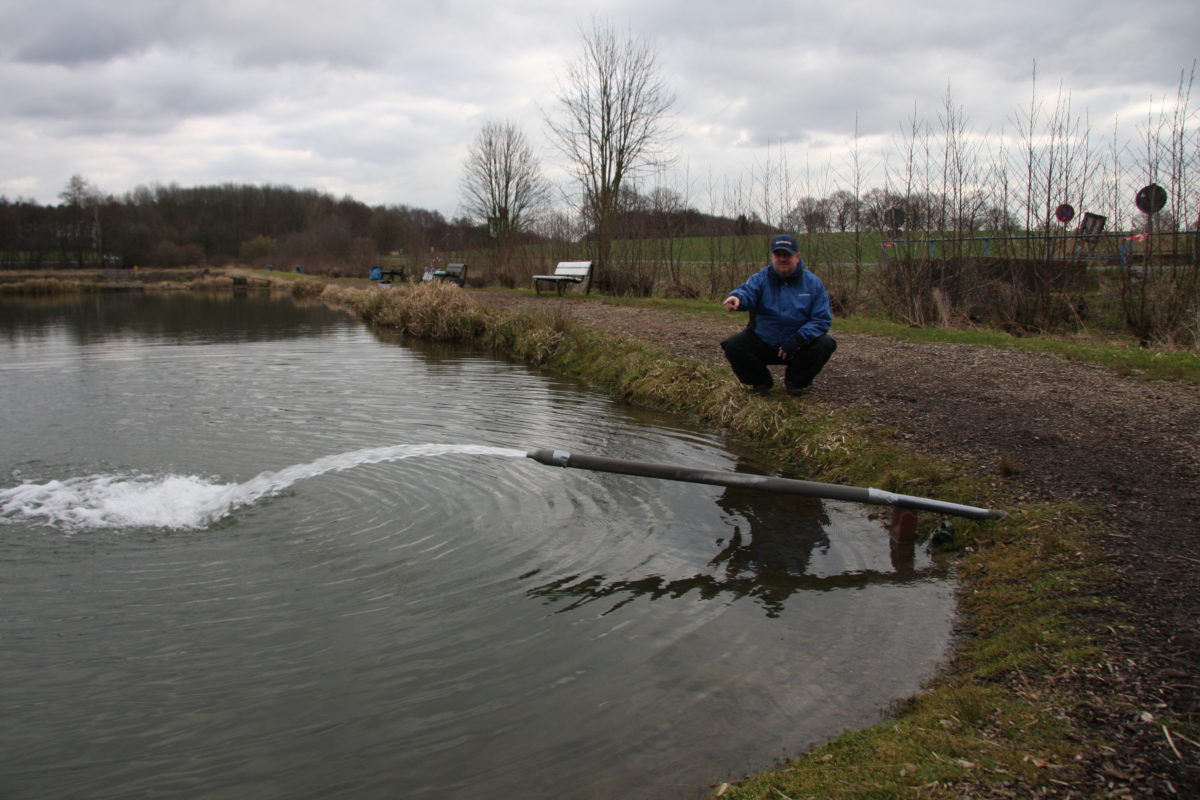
(949, 737)
(833, 247)
(1123, 357)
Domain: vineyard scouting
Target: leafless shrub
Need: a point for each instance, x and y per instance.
(848, 293)
(1018, 295)
(307, 289)
(1160, 289)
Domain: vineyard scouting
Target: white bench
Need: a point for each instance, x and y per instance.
(566, 272)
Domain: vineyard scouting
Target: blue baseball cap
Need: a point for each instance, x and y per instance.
(785, 242)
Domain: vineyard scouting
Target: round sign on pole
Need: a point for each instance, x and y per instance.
(1064, 213)
(1151, 198)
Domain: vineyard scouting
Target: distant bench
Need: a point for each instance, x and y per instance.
(454, 273)
(566, 272)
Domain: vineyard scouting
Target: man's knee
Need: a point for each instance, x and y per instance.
(816, 353)
(735, 343)
(824, 345)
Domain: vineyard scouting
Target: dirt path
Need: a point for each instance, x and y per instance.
(1062, 431)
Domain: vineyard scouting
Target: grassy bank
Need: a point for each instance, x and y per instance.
(1120, 354)
(40, 283)
(998, 717)
(65, 282)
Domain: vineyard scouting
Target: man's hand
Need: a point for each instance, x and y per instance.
(791, 345)
(732, 303)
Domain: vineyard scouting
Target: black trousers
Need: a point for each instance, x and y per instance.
(750, 356)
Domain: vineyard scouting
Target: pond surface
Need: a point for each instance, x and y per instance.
(253, 549)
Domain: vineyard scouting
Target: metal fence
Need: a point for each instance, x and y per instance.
(1118, 249)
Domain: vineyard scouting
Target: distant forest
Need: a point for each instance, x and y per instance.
(167, 226)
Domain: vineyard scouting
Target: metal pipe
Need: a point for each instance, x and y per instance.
(831, 491)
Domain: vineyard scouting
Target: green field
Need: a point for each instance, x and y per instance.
(863, 247)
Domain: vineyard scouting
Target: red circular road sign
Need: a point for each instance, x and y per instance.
(1151, 198)
(1064, 213)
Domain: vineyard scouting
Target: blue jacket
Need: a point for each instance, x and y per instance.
(784, 308)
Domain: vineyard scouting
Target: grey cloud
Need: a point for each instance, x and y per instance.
(75, 34)
(136, 98)
(374, 92)
(787, 68)
(85, 32)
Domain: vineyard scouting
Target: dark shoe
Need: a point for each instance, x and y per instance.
(760, 390)
(798, 391)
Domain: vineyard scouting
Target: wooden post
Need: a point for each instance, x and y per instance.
(903, 527)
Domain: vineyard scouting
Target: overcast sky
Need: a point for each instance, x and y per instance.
(381, 99)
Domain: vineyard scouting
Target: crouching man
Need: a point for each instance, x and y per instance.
(789, 323)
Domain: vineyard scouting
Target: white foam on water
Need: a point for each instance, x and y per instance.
(186, 501)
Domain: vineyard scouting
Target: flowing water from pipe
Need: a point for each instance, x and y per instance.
(187, 501)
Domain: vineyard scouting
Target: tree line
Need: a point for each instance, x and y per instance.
(176, 226)
(171, 225)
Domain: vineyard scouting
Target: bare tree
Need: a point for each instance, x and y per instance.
(858, 168)
(811, 215)
(774, 183)
(80, 231)
(901, 181)
(843, 210)
(962, 200)
(502, 182)
(611, 122)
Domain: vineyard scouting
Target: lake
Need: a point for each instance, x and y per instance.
(251, 548)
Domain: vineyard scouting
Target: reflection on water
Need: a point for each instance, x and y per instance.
(766, 558)
(389, 600)
(171, 317)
